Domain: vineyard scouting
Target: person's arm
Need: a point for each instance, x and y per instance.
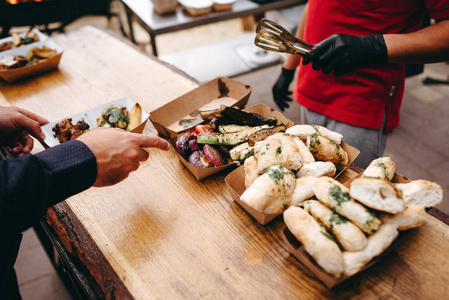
(428, 45)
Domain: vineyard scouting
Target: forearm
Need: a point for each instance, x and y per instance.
(292, 61)
(33, 183)
(427, 45)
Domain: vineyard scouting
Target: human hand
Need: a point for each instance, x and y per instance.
(280, 89)
(119, 152)
(16, 126)
(342, 53)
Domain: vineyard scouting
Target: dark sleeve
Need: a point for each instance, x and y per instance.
(29, 185)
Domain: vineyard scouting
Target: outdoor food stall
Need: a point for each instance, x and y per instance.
(234, 209)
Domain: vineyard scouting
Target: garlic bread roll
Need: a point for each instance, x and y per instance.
(379, 194)
(303, 189)
(336, 196)
(383, 168)
(421, 192)
(377, 243)
(303, 131)
(318, 169)
(326, 150)
(411, 217)
(250, 167)
(349, 236)
(278, 149)
(316, 240)
(306, 156)
(271, 192)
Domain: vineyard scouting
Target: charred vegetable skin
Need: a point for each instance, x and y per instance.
(264, 133)
(243, 117)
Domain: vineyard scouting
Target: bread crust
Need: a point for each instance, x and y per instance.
(303, 189)
(378, 194)
(315, 239)
(324, 149)
(317, 169)
(421, 192)
(305, 130)
(250, 167)
(383, 168)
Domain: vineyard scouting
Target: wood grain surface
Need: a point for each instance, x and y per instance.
(166, 235)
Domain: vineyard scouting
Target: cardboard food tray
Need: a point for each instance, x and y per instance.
(296, 249)
(163, 117)
(261, 109)
(236, 186)
(40, 67)
(90, 117)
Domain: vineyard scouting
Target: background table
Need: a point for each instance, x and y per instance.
(154, 24)
(161, 234)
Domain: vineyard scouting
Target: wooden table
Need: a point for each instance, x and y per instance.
(142, 11)
(160, 234)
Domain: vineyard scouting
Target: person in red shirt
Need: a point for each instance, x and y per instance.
(352, 80)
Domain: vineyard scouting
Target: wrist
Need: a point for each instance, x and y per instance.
(288, 73)
(379, 48)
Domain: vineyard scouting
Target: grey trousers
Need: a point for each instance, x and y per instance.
(370, 142)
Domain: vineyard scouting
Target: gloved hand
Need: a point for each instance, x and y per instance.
(342, 53)
(280, 89)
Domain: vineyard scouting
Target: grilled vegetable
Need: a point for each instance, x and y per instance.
(203, 128)
(264, 133)
(234, 138)
(215, 123)
(233, 128)
(115, 116)
(210, 114)
(183, 144)
(241, 152)
(244, 117)
(199, 160)
(214, 156)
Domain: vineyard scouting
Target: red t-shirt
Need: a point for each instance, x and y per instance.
(360, 98)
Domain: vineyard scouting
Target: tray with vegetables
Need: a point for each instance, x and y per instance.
(226, 137)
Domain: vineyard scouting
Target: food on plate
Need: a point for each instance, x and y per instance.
(116, 116)
(421, 192)
(327, 150)
(66, 131)
(264, 133)
(214, 156)
(303, 189)
(228, 139)
(36, 54)
(198, 159)
(377, 243)
(336, 196)
(316, 240)
(278, 149)
(271, 192)
(243, 117)
(411, 217)
(9, 62)
(379, 194)
(317, 169)
(304, 131)
(349, 236)
(306, 155)
(241, 152)
(250, 166)
(134, 117)
(17, 41)
(382, 167)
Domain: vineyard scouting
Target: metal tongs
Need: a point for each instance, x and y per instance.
(273, 37)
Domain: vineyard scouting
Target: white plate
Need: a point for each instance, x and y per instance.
(90, 117)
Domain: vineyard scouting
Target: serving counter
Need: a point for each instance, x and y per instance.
(161, 234)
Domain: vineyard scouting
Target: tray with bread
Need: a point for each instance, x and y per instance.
(283, 168)
(342, 229)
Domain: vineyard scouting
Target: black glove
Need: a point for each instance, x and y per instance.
(280, 89)
(342, 53)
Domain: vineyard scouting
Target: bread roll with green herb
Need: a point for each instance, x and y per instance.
(318, 169)
(349, 236)
(324, 149)
(316, 240)
(271, 192)
(336, 196)
(421, 192)
(411, 217)
(303, 189)
(377, 243)
(383, 168)
(278, 149)
(378, 194)
(306, 156)
(303, 131)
